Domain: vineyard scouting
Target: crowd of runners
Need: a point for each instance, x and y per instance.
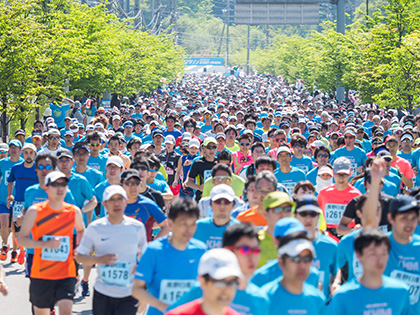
(216, 195)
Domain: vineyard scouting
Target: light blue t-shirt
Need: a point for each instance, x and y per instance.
(356, 156)
(393, 178)
(347, 254)
(312, 175)
(82, 190)
(310, 301)
(325, 260)
(408, 157)
(366, 145)
(389, 188)
(354, 298)
(59, 113)
(210, 234)
(271, 272)
(5, 168)
(304, 163)
(289, 180)
(159, 185)
(98, 163)
(403, 265)
(99, 192)
(250, 301)
(169, 282)
(94, 177)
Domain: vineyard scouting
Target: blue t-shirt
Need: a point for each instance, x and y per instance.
(289, 180)
(99, 192)
(271, 272)
(82, 191)
(210, 234)
(23, 178)
(159, 185)
(393, 178)
(304, 163)
(347, 254)
(389, 188)
(312, 175)
(310, 301)
(5, 169)
(246, 302)
(98, 163)
(206, 128)
(59, 113)
(366, 145)
(143, 209)
(168, 272)
(176, 133)
(403, 265)
(408, 157)
(356, 156)
(325, 260)
(354, 298)
(94, 177)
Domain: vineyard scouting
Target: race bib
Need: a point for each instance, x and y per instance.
(17, 208)
(289, 187)
(303, 168)
(169, 171)
(357, 266)
(58, 254)
(353, 168)
(383, 228)
(172, 290)
(117, 274)
(412, 280)
(333, 213)
(206, 174)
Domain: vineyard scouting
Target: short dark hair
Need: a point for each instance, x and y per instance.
(93, 136)
(368, 236)
(132, 141)
(236, 231)
(265, 160)
(322, 149)
(154, 161)
(250, 179)
(221, 167)
(256, 145)
(186, 206)
(283, 240)
(298, 139)
(44, 156)
(117, 138)
(224, 156)
(139, 161)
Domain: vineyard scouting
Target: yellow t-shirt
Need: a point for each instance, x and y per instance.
(237, 185)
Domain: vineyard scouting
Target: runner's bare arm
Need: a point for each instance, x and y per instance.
(372, 203)
(90, 205)
(342, 228)
(140, 293)
(190, 183)
(164, 228)
(80, 226)
(10, 197)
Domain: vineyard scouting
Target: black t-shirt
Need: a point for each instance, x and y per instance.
(200, 171)
(170, 162)
(385, 200)
(156, 196)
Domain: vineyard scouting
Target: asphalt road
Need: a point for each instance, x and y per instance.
(17, 301)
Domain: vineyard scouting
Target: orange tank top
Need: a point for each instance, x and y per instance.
(53, 264)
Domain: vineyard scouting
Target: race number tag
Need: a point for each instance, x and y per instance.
(333, 213)
(289, 187)
(117, 274)
(384, 228)
(353, 168)
(58, 254)
(17, 208)
(413, 282)
(303, 168)
(169, 170)
(206, 174)
(357, 266)
(172, 290)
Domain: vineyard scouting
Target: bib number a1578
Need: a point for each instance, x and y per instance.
(117, 274)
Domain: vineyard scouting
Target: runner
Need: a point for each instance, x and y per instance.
(52, 223)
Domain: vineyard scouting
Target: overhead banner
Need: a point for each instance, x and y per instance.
(204, 61)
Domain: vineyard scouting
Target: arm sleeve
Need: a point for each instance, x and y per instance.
(194, 170)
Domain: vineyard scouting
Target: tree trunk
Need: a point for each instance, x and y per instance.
(4, 119)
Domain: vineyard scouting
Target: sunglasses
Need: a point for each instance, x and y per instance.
(153, 170)
(132, 183)
(94, 144)
(387, 159)
(376, 142)
(406, 140)
(211, 147)
(280, 140)
(4, 151)
(298, 259)
(189, 126)
(334, 138)
(45, 167)
(222, 178)
(54, 138)
(142, 168)
(312, 214)
(221, 201)
(300, 146)
(322, 155)
(352, 137)
(223, 284)
(59, 184)
(246, 250)
(207, 115)
(282, 209)
(245, 143)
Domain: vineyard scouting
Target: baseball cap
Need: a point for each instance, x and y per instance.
(98, 125)
(350, 132)
(283, 148)
(325, 170)
(157, 132)
(78, 147)
(15, 142)
(116, 117)
(116, 160)
(128, 123)
(169, 139)
(221, 135)
(113, 190)
(130, 173)
(407, 136)
(4, 147)
(194, 143)
(384, 153)
(275, 199)
(19, 132)
(90, 127)
(209, 140)
(403, 203)
(222, 191)
(219, 263)
(342, 165)
(287, 226)
(295, 247)
(307, 203)
(68, 133)
(67, 118)
(64, 153)
(29, 146)
(391, 138)
(81, 126)
(53, 176)
(186, 136)
(54, 132)
(146, 146)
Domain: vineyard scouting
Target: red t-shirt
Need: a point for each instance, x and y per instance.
(194, 308)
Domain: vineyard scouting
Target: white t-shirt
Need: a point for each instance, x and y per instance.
(126, 240)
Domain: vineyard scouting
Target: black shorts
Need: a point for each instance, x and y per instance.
(45, 293)
(106, 305)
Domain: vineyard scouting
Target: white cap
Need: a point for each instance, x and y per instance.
(194, 143)
(283, 148)
(53, 176)
(90, 127)
(29, 146)
(186, 136)
(222, 191)
(54, 132)
(116, 160)
(317, 144)
(219, 263)
(295, 247)
(99, 125)
(169, 139)
(113, 190)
